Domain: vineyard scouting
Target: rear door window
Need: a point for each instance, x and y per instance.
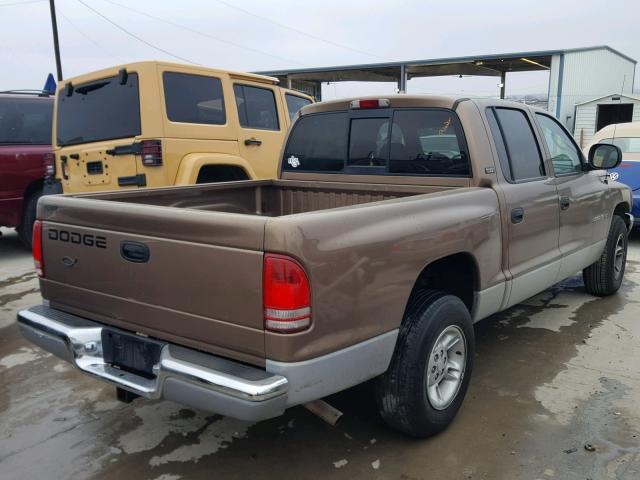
(500, 145)
(295, 103)
(103, 109)
(25, 121)
(515, 134)
(256, 107)
(194, 98)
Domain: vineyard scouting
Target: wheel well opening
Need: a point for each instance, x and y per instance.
(221, 173)
(456, 274)
(33, 187)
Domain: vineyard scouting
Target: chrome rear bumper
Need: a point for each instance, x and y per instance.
(183, 375)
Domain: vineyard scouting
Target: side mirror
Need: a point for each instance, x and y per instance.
(603, 156)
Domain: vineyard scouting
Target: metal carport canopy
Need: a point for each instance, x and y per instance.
(482, 65)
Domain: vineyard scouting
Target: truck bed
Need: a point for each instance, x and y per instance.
(267, 198)
(205, 243)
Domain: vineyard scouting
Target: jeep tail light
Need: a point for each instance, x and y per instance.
(370, 103)
(151, 151)
(286, 294)
(36, 243)
(49, 164)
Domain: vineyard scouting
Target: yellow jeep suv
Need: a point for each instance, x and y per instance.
(153, 124)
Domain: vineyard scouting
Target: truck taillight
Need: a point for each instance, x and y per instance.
(370, 103)
(286, 294)
(49, 163)
(36, 243)
(151, 151)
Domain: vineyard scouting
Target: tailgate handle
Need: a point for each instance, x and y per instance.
(63, 167)
(134, 252)
(133, 149)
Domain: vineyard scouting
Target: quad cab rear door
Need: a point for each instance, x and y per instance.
(532, 216)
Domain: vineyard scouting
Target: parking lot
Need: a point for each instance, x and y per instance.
(554, 395)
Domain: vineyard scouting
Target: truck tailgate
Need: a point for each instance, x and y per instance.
(200, 285)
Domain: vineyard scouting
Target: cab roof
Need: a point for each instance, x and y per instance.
(408, 101)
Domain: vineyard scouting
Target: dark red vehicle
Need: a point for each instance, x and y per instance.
(25, 157)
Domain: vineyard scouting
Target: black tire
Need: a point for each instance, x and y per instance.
(401, 392)
(604, 277)
(28, 218)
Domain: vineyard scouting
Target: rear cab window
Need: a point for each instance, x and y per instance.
(424, 141)
(295, 103)
(256, 107)
(25, 121)
(193, 98)
(318, 143)
(104, 109)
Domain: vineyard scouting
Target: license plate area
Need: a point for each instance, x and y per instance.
(130, 352)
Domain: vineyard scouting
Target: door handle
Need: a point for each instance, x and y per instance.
(253, 141)
(565, 203)
(517, 215)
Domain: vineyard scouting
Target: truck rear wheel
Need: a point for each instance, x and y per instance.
(604, 277)
(423, 389)
(29, 217)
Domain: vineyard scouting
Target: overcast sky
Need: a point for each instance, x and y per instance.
(261, 35)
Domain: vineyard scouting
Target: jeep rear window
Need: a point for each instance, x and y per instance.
(101, 110)
(194, 98)
(25, 121)
(402, 142)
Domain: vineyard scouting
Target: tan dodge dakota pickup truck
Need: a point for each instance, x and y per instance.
(394, 225)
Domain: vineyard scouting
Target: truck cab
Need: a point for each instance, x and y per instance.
(156, 124)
